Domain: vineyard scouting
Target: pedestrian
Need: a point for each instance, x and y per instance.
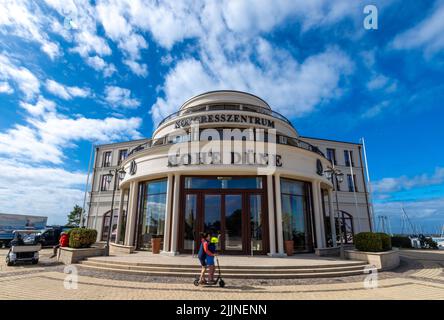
(203, 254)
(63, 242)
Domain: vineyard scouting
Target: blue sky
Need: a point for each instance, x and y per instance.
(73, 73)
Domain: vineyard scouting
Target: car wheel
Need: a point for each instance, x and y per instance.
(35, 261)
(9, 262)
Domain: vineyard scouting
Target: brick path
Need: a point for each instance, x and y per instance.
(41, 283)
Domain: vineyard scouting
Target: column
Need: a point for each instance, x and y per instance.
(168, 213)
(175, 214)
(120, 214)
(280, 235)
(318, 215)
(332, 217)
(131, 214)
(271, 225)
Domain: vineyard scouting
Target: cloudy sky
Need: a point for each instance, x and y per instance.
(74, 73)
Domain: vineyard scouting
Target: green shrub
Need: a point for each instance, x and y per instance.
(372, 242)
(82, 238)
(401, 242)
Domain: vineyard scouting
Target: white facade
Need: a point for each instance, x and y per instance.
(296, 159)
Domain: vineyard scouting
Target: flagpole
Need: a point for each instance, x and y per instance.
(354, 189)
(369, 184)
(82, 219)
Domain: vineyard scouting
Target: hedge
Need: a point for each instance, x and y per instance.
(372, 242)
(401, 242)
(82, 238)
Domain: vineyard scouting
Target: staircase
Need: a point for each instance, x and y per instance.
(244, 272)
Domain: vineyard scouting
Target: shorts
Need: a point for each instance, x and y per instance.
(203, 262)
(210, 260)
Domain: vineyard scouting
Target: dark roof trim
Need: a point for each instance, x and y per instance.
(355, 143)
(220, 91)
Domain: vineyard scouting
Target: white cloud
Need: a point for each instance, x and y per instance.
(99, 64)
(25, 19)
(290, 87)
(427, 214)
(66, 92)
(5, 88)
(391, 184)
(26, 81)
(120, 97)
(40, 108)
(40, 190)
(427, 35)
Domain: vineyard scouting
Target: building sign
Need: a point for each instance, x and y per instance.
(245, 158)
(222, 117)
(319, 168)
(133, 168)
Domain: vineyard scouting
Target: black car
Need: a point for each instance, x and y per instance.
(51, 235)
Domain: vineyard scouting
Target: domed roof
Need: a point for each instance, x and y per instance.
(225, 97)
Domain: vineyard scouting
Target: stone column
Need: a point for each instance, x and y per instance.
(120, 214)
(271, 222)
(168, 213)
(280, 235)
(175, 215)
(131, 214)
(332, 217)
(317, 208)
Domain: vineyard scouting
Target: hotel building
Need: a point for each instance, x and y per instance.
(225, 162)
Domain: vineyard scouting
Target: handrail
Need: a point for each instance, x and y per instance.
(280, 139)
(219, 107)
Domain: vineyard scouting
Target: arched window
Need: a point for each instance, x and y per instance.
(105, 225)
(344, 227)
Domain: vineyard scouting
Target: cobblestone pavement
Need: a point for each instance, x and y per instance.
(419, 277)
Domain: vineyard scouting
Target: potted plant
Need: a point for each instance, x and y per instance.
(288, 234)
(155, 243)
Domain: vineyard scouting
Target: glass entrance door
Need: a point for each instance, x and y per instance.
(232, 209)
(234, 238)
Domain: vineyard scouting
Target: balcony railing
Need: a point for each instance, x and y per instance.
(170, 140)
(225, 107)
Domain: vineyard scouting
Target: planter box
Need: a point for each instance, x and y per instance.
(71, 255)
(381, 260)
(115, 248)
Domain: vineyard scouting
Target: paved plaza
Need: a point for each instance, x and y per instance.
(420, 276)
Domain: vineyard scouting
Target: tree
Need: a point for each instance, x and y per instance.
(74, 216)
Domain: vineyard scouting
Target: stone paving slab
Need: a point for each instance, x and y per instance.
(426, 282)
(229, 260)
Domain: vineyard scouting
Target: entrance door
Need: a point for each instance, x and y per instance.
(236, 214)
(234, 238)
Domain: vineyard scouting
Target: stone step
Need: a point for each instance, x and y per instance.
(274, 275)
(228, 270)
(256, 267)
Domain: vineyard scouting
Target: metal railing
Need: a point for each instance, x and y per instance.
(170, 140)
(225, 107)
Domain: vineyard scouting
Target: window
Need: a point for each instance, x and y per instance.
(295, 213)
(105, 183)
(152, 222)
(122, 156)
(352, 183)
(223, 183)
(331, 155)
(348, 156)
(106, 159)
(105, 226)
(344, 228)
